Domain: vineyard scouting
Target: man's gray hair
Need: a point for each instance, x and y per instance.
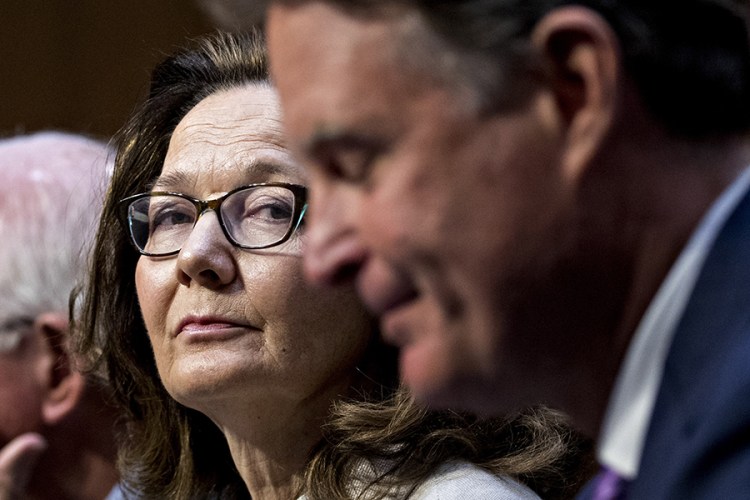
(51, 191)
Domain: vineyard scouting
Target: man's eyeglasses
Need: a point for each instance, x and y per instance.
(252, 217)
(12, 331)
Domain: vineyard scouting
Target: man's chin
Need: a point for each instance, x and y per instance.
(442, 380)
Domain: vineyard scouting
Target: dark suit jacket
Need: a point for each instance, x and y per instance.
(698, 443)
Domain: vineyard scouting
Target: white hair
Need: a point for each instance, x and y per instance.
(51, 191)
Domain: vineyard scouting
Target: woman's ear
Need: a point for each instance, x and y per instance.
(581, 62)
(65, 385)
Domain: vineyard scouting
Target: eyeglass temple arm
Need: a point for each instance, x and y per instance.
(301, 216)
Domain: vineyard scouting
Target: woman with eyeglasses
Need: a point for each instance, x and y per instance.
(237, 378)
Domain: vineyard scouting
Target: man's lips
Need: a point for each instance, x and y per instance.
(394, 325)
(387, 294)
(380, 298)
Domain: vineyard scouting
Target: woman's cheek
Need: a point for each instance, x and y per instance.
(152, 286)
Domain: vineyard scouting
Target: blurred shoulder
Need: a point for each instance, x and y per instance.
(460, 480)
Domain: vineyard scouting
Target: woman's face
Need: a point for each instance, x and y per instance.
(231, 323)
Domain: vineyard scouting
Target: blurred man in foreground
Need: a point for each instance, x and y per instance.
(544, 202)
(56, 431)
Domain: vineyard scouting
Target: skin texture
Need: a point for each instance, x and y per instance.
(238, 334)
(509, 254)
(25, 373)
(17, 461)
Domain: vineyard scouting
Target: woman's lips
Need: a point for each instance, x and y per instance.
(209, 326)
(205, 327)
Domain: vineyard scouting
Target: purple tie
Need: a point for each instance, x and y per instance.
(609, 485)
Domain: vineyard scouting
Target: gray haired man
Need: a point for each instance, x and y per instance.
(56, 432)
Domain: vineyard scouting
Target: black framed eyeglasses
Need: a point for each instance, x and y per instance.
(252, 217)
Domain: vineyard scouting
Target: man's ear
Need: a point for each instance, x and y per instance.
(582, 65)
(65, 384)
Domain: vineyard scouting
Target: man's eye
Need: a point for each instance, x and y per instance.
(351, 165)
(348, 159)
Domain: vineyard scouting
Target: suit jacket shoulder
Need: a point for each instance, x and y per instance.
(698, 444)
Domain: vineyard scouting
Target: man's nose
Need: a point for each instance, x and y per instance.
(334, 250)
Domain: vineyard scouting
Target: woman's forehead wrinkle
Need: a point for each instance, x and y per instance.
(249, 161)
(247, 129)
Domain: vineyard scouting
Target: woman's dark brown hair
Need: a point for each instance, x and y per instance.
(168, 450)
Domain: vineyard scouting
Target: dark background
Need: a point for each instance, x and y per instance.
(82, 65)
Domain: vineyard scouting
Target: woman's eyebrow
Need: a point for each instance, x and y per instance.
(261, 169)
(169, 181)
(254, 171)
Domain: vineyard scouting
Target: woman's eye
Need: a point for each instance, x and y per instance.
(269, 210)
(171, 215)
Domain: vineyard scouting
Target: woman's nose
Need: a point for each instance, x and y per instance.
(207, 257)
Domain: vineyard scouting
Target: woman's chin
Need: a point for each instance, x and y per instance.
(203, 382)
